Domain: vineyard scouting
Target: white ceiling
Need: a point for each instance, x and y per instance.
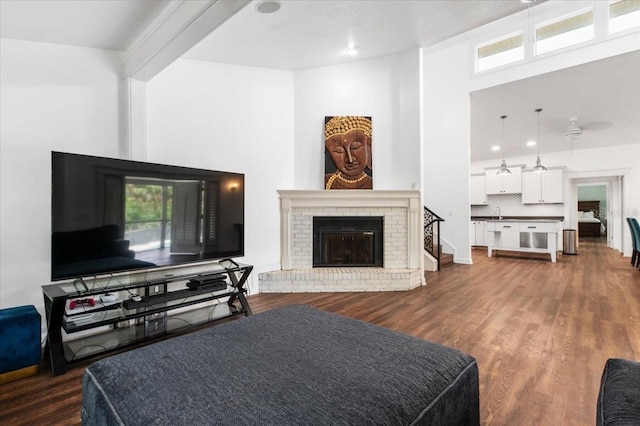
(312, 33)
(104, 24)
(604, 95)
(302, 34)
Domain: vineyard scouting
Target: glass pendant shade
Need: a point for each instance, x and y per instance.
(503, 167)
(538, 168)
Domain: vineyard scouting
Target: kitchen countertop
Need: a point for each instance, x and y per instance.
(524, 221)
(521, 218)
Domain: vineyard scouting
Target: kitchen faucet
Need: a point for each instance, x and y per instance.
(497, 212)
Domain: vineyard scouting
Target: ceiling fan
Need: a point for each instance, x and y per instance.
(573, 131)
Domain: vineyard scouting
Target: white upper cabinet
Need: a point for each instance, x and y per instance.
(503, 184)
(477, 193)
(543, 188)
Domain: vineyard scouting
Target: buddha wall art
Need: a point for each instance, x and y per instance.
(348, 153)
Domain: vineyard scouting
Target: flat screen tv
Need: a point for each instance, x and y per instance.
(110, 215)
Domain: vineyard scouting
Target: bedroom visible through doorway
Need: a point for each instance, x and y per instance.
(592, 210)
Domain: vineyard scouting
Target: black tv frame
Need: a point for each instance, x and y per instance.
(88, 195)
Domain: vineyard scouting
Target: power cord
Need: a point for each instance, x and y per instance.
(78, 352)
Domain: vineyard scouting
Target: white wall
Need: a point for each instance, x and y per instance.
(231, 118)
(388, 90)
(53, 97)
(446, 151)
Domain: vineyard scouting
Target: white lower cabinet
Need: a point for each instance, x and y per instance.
(472, 233)
(478, 232)
(507, 235)
(525, 236)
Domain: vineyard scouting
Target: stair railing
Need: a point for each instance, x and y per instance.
(431, 232)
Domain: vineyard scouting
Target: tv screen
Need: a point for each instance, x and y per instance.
(111, 215)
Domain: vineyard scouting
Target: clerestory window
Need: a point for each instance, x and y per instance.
(623, 15)
(564, 33)
(505, 51)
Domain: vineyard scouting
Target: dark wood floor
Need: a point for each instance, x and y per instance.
(541, 333)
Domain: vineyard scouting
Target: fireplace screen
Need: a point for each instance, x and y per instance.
(347, 241)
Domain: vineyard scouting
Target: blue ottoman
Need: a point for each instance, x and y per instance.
(19, 343)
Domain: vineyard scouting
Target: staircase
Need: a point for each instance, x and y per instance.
(435, 259)
(431, 263)
(446, 259)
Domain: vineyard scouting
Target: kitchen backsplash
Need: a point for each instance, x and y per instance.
(511, 205)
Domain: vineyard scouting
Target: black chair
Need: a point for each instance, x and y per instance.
(635, 240)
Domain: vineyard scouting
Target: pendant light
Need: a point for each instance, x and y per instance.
(503, 167)
(538, 168)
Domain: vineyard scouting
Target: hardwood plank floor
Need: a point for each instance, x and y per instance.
(541, 333)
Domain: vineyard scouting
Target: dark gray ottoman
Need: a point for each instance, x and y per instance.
(619, 398)
(290, 366)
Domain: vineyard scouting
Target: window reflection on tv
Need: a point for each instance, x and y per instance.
(111, 215)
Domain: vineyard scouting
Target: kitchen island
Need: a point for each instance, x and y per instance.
(532, 236)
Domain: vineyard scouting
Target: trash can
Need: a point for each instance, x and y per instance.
(569, 243)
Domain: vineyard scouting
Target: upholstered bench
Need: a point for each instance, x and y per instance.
(290, 366)
(619, 398)
(20, 351)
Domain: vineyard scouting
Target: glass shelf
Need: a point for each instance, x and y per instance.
(167, 305)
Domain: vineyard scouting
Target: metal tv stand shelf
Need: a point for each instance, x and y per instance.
(140, 312)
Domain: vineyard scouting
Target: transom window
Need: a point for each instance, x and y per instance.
(576, 28)
(623, 15)
(501, 52)
(566, 32)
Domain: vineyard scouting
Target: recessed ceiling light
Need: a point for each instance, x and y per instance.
(268, 6)
(495, 148)
(531, 143)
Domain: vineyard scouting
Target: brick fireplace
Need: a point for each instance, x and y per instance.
(401, 216)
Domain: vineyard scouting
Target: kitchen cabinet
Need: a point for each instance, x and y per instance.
(543, 188)
(539, 236)
(478, 230)
(472, 233)
(477, 191)
(503, 184)
(505, 234)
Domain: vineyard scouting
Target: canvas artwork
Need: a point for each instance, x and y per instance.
(348, 156)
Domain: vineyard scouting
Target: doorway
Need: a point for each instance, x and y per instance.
(600, 197)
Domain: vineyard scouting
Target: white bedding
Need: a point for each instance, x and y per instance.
(589, 219)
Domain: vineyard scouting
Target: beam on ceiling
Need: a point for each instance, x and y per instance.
(180, 26)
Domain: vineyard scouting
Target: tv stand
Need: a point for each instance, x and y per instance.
(141, 312)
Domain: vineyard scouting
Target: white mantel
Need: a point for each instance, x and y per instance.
(403, 257)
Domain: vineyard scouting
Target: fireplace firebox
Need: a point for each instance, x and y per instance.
(347, 241)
